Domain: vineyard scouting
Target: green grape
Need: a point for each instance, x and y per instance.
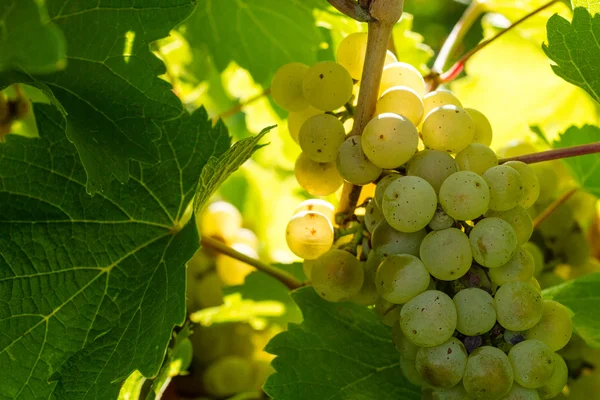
(389, 140)
(557, 381)
(403, 101)
(475, 310)
(531, 184)
(297, 119)
(506, 187)
(549, 180)
(351, 53)
(202, 261)
(444, 365)
(476, 277)
(550, 278)
(441, 220)
(555, 328)
(439, 98)
(390, 58)
(389, 313)
(519, 306)
(318, 205)
(381, 186)
(575, 248)
(520, 267)
(327, 86)
(385, 240)
(538, 257)
(536, 284)
(448, 128)
(207, 292)
(477, 158)
(337, 275)
(309, 234)
(428, 319)
(556, 227)
(489, 375)
(457, 392)
(483, 128)
(446, 254)
(227, 376)
(409, 203)
(373, 216)
(262, 371)
(246, 237)
(433, 166)
(493, 242)
(520, 393)
(464, 195)
(318, 179)
(401, 277)
(367, 294)
(286, 87)
(321, 136)
(516, 147)
(353, 165)
(409, 370)
(532, 362)
(405, 347)
(220, 219)
(519, 219)
(402, 74)
(232, 271)
(307, 267)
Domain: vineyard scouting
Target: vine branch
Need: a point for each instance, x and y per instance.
(238, 107)
(352, 9)
(552, 207)
(282, 276)
(556, 154)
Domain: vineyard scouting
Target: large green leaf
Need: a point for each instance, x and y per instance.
(592, 5)
(110, 89)
(28, 40)
(340, 351)
(581, 296)
(575, 49)
(91, 287)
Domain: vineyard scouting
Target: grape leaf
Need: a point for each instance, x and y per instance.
(92, 286)
(110, 87)
(255, 34)
(340, 351)
(28, 40)
(581, 296)
(592, 5)
(575, 49)
(585, 169)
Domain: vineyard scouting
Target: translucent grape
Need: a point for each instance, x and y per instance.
(516, 147)
(389, 313)
(477, 158)
(318, 179)
(286, 87)
(403, 101)
(409, 203)
(307, 267)
(475, 310)
(245, 236)
(493, 242)
(520, 267)
(309, 234)
(405, 347)
(555, 328)
(519, 219)
(351, 53)
(373, 216)
(387, 241)
(428, 319)
(549, 180)
(337, 275)
(446, 254)
(464, 195)
(448, 128)
(227, 376)
(477, 277)
(402, 74)
(520, 393)
(433, 166)
(506, 187)
(202, 261)
(232, 271)
(389, 140)
(321, 136)
(401, 277)
(367, 295)
(381, 186)
(441, 220)
(219, 219)
(457, 392)
(353, 165)
(390, 58)
(531, 184)
(439, 98)
(532, 362)
(538, 257)
(207, 292)
(443, 365)
(557, 381)
(519, 306)
(327, 86)
(318, 205)
(409, 370)
(483, 128)
(297, 119)
(488, 375)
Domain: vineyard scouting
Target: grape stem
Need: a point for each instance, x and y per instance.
(282, 276)
(552, 207)
(352, 9)
(556, 154)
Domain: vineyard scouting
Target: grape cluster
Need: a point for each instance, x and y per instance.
(227, 358)
(442, 250)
